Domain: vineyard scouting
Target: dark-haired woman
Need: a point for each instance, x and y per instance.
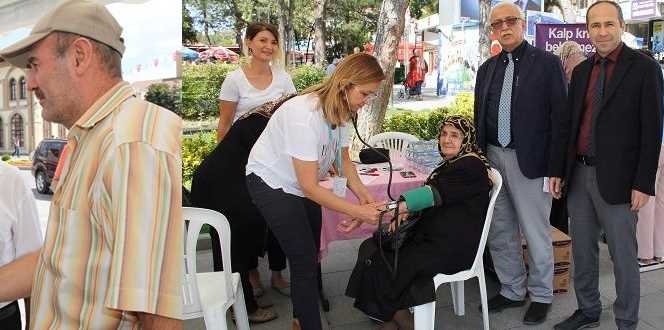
(261, 79)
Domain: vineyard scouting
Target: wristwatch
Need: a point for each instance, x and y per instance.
(391, 205)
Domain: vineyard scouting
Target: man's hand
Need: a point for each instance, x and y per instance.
(152, 321)
(639, 199)
(556, 187)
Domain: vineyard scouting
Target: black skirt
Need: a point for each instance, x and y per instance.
(376, 292)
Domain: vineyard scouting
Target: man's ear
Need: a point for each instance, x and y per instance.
(83, 52)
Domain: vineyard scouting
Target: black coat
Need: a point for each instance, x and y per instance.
(445, 240)
(539, 113)
(628, 128)
(219, 184)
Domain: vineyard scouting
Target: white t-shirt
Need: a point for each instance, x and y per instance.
(237, 88)
(297, 130)
(20, 232)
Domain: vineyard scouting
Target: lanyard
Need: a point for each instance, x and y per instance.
(337, 158)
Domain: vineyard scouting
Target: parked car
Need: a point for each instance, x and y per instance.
(44, 162)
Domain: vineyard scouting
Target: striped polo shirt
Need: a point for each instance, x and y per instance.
(114, 241)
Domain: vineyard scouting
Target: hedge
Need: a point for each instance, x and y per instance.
(200, 89)
(425, 125)
(201, 84)
(194, 149)
(306, 75)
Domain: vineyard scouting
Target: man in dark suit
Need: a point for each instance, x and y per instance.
(615, 101)
(521, 118)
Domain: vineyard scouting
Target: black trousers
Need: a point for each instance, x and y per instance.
(275, 255)
(296, 223)
(10, 317)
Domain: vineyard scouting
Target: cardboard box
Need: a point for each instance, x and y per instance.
(562, 249)
(562, 257)
(561, 280)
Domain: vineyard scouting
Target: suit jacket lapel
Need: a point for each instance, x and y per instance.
(625, 60)
(522, 77)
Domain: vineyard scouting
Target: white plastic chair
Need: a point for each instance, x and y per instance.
(211, 294)
(397, 141)
(425, 314)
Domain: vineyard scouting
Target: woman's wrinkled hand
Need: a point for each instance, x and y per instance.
(402, 217)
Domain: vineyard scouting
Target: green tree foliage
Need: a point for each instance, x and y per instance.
(423, 8)
(165, 96)
(194, 149)
(350, 24)
(201, 84)
(307, 75)
(426, 125)
(188, 31)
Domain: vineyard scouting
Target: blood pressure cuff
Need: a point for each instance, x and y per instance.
(421, 198)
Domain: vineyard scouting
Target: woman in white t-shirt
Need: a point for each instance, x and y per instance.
(256, 82)
(303, 139)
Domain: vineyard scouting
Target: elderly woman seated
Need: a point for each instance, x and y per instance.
(449, 211)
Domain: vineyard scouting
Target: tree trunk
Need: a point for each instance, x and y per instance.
(285, 27)
(485, 41)
(319, 32)
(283, 17)
(239, 24)
(306, 52)
(391, 22)
(290, 29)
(206, 24)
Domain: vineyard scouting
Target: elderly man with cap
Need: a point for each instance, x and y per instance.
(112, 255)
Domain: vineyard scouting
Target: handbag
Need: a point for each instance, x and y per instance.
(374, 155)
(393, 241)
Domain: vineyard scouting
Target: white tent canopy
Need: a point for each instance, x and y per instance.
(15, 14)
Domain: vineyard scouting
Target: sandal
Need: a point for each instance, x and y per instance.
(262, 315)
(646, 262)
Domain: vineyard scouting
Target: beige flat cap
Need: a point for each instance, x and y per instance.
(82, 17)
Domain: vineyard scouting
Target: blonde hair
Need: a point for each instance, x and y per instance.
(255, 28)
(356, 69)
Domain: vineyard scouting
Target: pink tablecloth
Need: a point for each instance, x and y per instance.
(378, 187)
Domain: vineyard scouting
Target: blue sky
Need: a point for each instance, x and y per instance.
(152, 33)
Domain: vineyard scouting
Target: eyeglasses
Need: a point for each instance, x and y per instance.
(509, 21)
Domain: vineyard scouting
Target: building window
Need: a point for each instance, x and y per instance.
(24, 89)
(17, 129)
(2, 134)
(12, 89)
